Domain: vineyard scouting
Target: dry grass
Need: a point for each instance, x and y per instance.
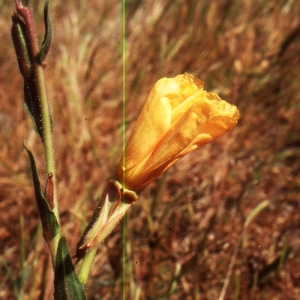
(183, 232)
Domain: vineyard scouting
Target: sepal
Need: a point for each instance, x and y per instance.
(114, 203)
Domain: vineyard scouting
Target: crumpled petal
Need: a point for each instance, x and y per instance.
(159, 111)
(178, 117)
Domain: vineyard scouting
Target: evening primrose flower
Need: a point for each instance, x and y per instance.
(179, 116)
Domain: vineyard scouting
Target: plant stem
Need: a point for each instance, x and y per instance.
(37, 86)
(86, 266)
(47, 132)
(40, 86)
(26, 13)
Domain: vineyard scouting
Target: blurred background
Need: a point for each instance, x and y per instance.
(224, 222)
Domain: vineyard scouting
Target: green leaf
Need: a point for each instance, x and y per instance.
(50, 224)
(66, 283)
(33, 107)
(48, 37)
(21, 44)
(33, 111)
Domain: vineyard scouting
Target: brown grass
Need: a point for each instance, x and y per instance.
(183, 232)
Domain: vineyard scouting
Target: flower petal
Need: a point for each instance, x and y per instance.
(178, 117)
(156, 117)
(205, 121)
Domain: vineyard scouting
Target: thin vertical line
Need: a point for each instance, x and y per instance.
(124, 141)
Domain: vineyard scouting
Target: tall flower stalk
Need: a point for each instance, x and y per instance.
(32, 62)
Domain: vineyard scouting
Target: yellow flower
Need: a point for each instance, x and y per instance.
(178, 117)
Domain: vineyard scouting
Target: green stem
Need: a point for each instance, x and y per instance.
(86, 266)
(26, 13)
(47, 131)
(38, 82)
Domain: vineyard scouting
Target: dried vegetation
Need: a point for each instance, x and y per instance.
(224, 223)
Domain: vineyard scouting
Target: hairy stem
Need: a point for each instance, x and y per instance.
(40, 87)
(86, 266)
(37, 89)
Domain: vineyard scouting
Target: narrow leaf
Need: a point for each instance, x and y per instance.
(33, 111)
(50, 224)
(33, 108)
(66, 283)
(261, 206)
(21, 44)
(47, 39)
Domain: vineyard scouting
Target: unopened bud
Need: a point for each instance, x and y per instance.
(19, 37)
(49, 190)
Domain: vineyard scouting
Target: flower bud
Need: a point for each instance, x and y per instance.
(18, 33)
